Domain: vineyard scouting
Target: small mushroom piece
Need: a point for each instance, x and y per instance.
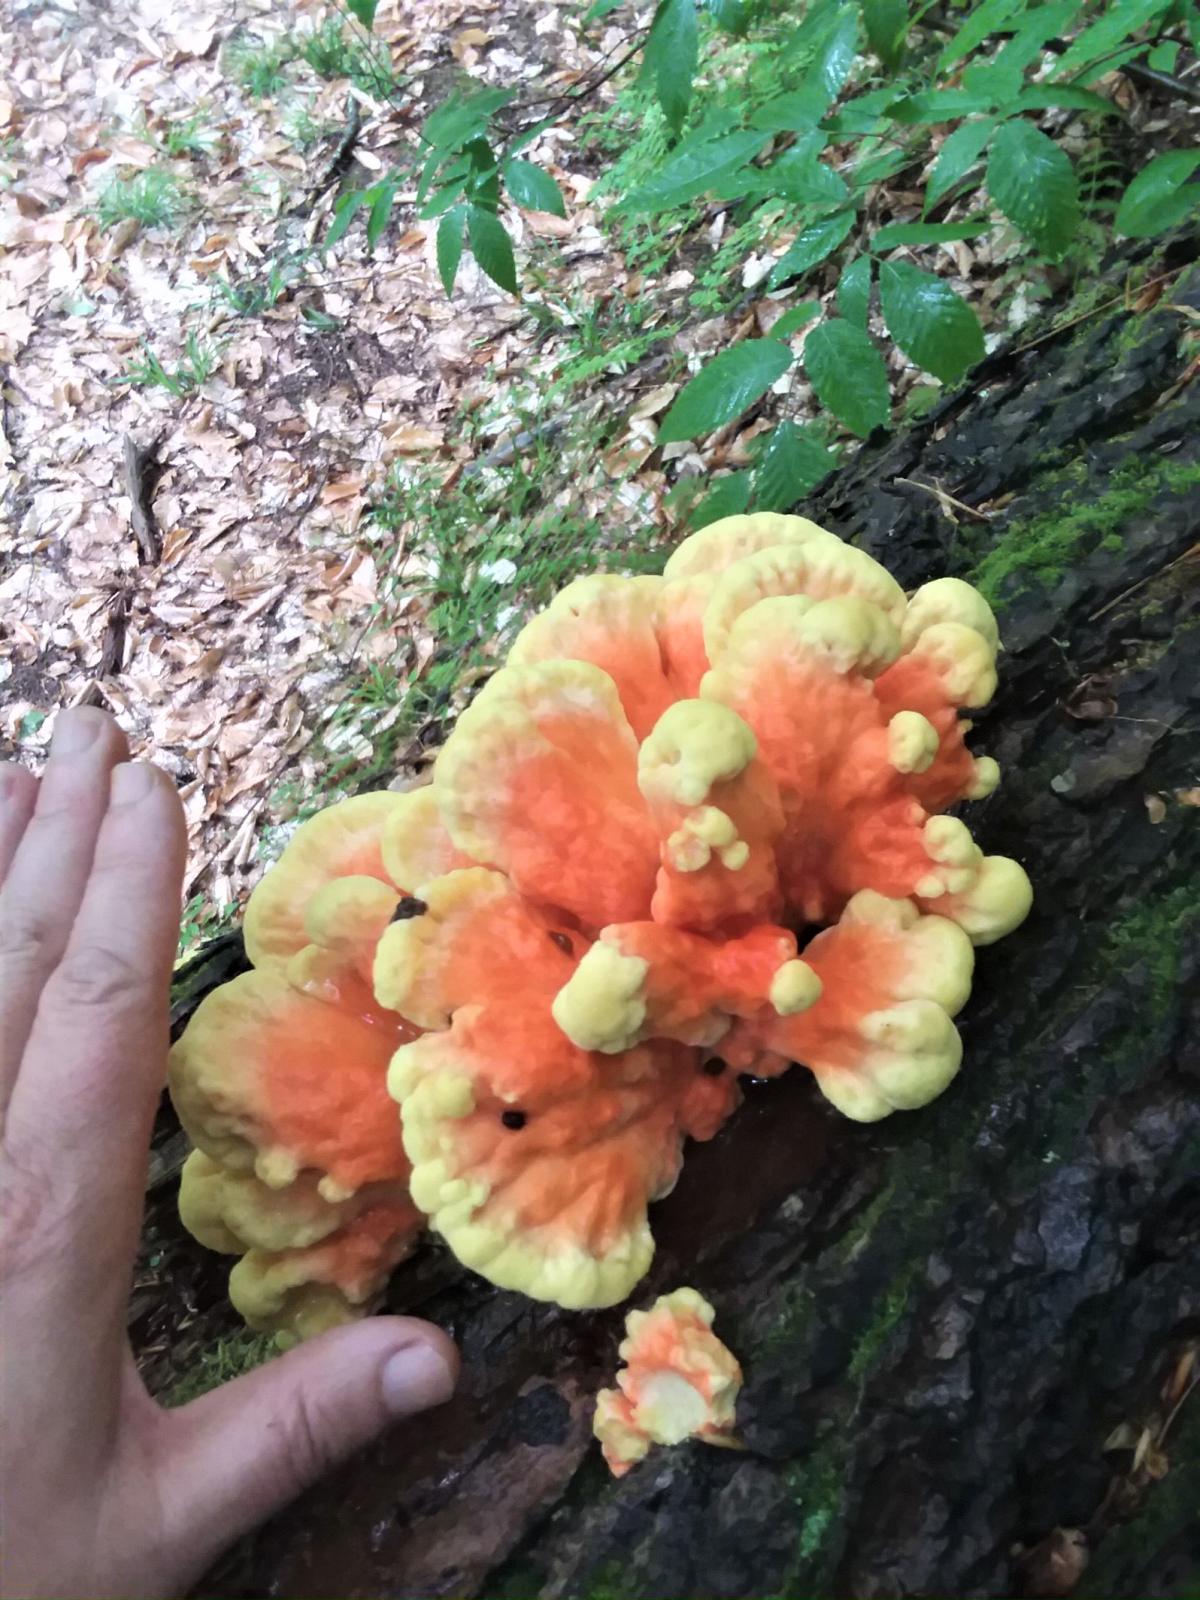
(678, 1382)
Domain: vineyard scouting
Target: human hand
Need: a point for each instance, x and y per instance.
(104, 1493)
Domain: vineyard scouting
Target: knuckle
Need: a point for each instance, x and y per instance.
(26, 936)
(97, 978)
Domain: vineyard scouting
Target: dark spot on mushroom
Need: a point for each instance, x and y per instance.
(563, 943)
(513, 1119)
(410, 906)
(713, 1067)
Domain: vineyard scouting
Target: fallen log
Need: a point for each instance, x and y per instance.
(969, 1334)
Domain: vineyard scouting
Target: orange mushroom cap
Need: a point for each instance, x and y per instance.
(342, 841)
(534, 1158)
(269, 1080)
(879, 1036)
(539, 779)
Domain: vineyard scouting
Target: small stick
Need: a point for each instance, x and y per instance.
(1105, 305)
(1189, 554)
(945, 499)
(112, 650)
(137, 458)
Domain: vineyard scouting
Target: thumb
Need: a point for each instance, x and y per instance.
(233, 1457)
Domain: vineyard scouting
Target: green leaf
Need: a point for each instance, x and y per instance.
(381, 210)
(1065, 96)
(671, 53)
(1163, 57)
(930, 323)
(723, 389)
(898, 233)
(804, 107)
(458, 121)
(810, 246)
(854, 291)
(848, 375)
(1002, 77)
(983, 21)
(343, 214)
(694, 170)
(959, 153)
(836, 55)
(599, 9)
(450, 247)
(792, 463)
(795, 318)
(1088, 54)
(320, 320)
(798, 112)
(364, 10)
(1034, 184)
(1160, 196)
(728, 497)
(799, 177)
(886, 22)
(731, 16)
(532, 188)
(491, 247)
(938, 105)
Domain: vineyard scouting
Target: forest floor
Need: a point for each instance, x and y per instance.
(356, 487)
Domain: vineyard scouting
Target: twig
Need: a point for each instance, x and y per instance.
(1188, 555)
(137, 460)
(1095, 311)
(944, 498)
(345, 145)
(112, 650)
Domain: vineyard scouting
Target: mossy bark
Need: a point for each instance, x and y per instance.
(944, 1316)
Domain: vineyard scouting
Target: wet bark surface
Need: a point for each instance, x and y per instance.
(958, 1325)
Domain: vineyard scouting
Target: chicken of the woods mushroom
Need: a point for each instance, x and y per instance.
(497, 1006)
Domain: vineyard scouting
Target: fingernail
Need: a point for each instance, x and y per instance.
(131, 782)
(75, 730)
(414, 1379)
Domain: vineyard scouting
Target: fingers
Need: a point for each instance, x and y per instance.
(235, 1456)
(18, 792)
(96, 1057)
(50, 866)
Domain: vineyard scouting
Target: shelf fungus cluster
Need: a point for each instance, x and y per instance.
(499, 1005)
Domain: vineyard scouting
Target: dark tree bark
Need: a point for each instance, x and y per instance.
(943, 1317)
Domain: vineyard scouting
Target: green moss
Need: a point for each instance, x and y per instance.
(1041, 547)
(791, 1323)
(1153, 935)
(221, 1363)
(889, 1309)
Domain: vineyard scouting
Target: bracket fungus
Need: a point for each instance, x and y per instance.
(678, 1382)
(500, 1004)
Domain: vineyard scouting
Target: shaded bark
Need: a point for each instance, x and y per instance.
(942, 1317)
